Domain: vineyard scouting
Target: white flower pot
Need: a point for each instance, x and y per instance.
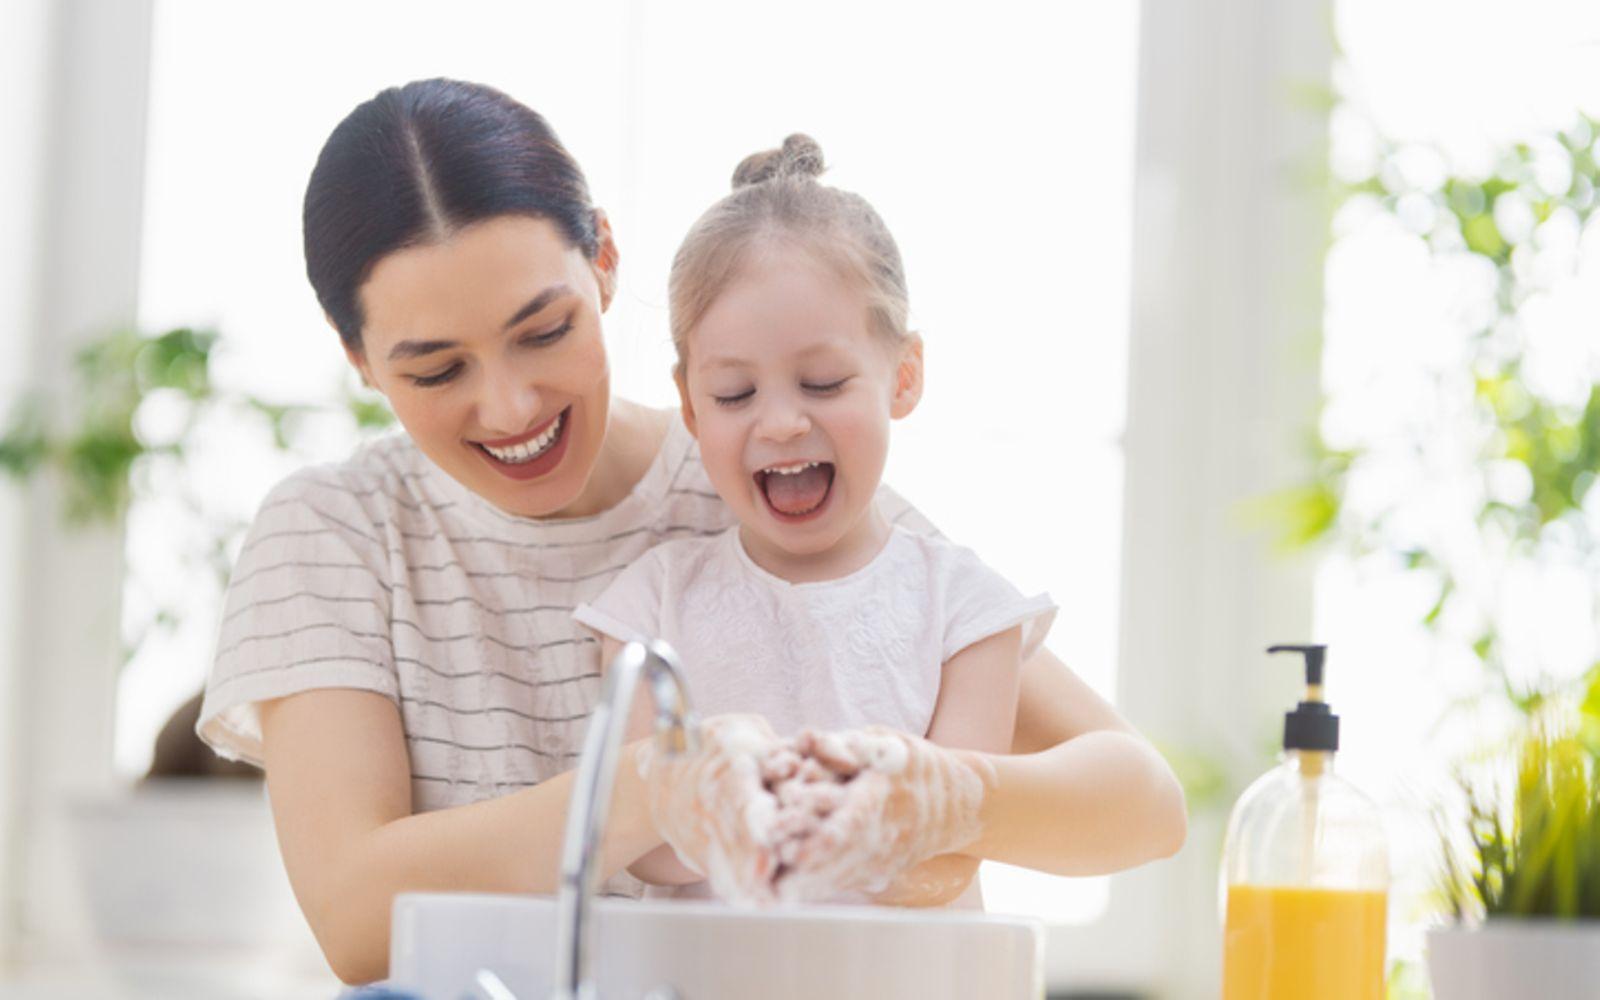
(1512, 959)
(184, 863)
(178, 891)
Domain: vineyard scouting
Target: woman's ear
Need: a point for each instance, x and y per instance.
(908, 378)
(605, 259)
(682, 382)
(358, 360)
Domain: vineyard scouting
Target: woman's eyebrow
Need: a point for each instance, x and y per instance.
(418, 348)
(537, 303)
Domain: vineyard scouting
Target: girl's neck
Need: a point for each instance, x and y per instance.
(859, 546)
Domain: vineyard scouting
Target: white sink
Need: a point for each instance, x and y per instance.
(707, 951)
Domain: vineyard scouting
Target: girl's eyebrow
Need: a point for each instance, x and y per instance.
(724, 362)
(419, 348)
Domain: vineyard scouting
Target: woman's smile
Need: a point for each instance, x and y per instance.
(531, 455)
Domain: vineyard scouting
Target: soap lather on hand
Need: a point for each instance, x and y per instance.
(825, 814)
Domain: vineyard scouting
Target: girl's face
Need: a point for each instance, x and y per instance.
(488, 347)
(790, 393)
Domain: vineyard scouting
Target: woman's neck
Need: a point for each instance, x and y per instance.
(634, 435)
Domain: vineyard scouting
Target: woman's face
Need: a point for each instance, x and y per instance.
(488, 347)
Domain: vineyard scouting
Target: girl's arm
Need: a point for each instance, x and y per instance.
(1085, 793)
(1098, 800)
(977, 710)
(339, 782)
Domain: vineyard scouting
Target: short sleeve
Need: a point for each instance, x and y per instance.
(629, 610)
(978, 602)
(307, 607)
(902, 514)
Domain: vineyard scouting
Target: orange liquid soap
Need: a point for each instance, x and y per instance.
(1296, 943)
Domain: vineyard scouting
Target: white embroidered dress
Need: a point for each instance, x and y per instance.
(865, 649)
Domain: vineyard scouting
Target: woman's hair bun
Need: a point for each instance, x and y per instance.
(799, 157)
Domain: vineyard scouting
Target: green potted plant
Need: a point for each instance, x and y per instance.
(103, 447)
(1521, 874)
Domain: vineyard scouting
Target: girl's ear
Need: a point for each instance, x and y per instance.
(908, 378)
(682, 381)
(606, 259)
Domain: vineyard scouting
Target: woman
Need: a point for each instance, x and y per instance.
(398, 650)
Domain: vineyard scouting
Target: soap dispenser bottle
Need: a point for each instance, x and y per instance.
(1305, 871)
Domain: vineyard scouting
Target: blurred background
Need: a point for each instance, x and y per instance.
(1246, 323)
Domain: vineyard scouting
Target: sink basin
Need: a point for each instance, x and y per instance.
(707, 951)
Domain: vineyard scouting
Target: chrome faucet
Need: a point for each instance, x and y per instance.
(591, 797)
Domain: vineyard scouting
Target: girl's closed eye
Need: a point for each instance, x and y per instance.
(825, 388)
(733, 399)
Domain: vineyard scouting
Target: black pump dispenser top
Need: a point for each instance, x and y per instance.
(1312, 725)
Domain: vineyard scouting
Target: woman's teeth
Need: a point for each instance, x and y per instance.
(527, 451)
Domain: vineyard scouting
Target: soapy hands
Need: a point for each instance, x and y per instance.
(824, 815)
(907, 802)
(711, 807)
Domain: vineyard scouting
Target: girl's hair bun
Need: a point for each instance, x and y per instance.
(800, 157)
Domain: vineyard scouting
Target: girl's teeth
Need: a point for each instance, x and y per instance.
(528, 450)
(791, 470)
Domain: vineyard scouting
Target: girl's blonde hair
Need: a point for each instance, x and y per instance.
(777, 200)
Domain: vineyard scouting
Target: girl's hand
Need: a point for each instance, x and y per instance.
(905, 801)
(713, 807)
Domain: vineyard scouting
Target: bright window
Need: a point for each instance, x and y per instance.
(1449, 84)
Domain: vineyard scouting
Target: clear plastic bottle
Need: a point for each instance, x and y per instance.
(1305, 871)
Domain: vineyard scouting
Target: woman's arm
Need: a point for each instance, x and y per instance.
(339, 781)
(1086, 794)
(662, 865)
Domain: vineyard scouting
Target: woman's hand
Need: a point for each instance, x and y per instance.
(935, 882)
(713, 808)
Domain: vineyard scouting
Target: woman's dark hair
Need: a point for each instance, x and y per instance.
(417, 163)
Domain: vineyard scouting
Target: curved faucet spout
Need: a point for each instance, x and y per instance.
(591, 796)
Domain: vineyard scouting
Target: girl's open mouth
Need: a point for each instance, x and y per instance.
(533, 457)
(796, 493)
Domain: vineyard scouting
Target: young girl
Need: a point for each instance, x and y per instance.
(789, 319)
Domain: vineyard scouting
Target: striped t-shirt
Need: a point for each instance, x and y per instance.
(385, 574)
